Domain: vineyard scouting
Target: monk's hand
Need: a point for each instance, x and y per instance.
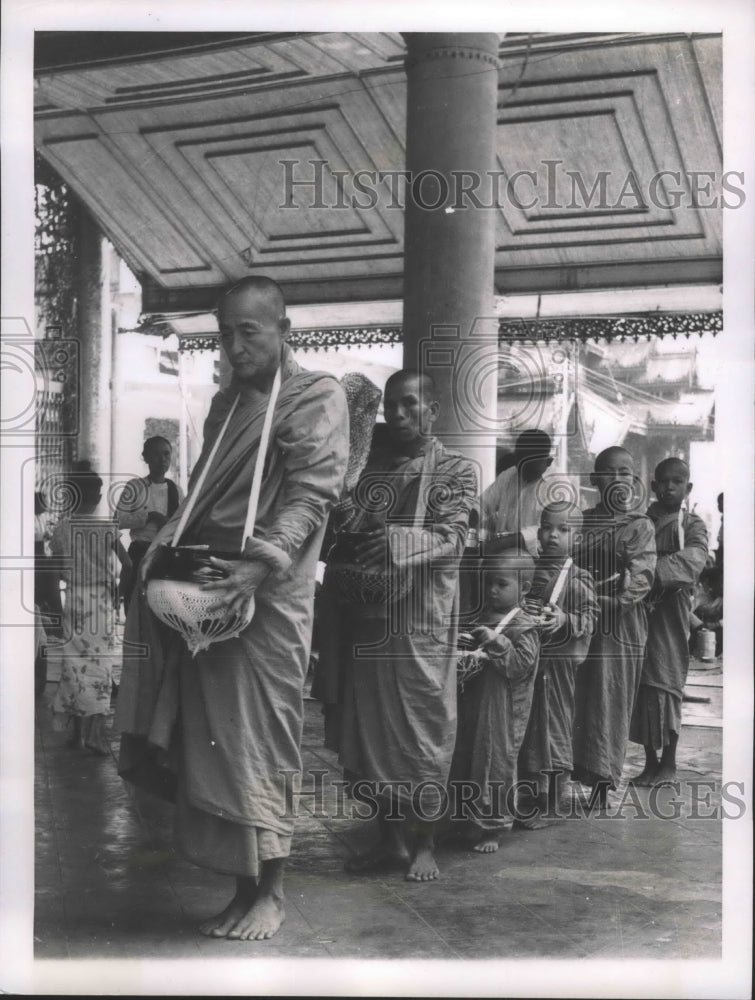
(372, 551)
(553, 619)
(242, 577)
(494, 643)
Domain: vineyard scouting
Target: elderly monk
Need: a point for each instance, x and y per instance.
(394, 664)
(227, 723)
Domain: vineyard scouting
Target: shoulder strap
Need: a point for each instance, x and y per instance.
(506, 619)
(561, 581)
(191, 503)
(254, 496)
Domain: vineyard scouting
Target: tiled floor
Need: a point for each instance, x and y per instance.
(109, 884)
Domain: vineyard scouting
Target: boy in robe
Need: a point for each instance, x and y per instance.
(618, 549)
(569, 612)
(682, 544)
(494, 704)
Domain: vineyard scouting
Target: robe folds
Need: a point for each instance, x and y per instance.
(493, 712)
(681, 560)
(619, 551)
(220, 732)
(548, 741)
(387, 673)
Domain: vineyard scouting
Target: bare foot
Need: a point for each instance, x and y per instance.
(423, 867)
(376, 859)
(260, 922)
(488, 844)
(644, 779)
(664, 775)
(220, 925)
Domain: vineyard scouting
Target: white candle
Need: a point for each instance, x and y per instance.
(681, 528)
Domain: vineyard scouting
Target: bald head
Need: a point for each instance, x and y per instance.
(253, 326)
(610, 456)
(672, 465)
(260, 287)
(425, 383)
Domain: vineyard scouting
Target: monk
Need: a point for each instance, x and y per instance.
(221, 732)
(566, 596)
(682, 543)
(494, 705)
(618, 549)
(396, 662)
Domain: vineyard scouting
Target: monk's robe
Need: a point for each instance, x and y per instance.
(493, 711)
(619, 551)
(548, 741)
(389, 670)
(221, 731)
(658, 709)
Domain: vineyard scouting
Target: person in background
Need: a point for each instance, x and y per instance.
(512, 505)
(682, 545)
(89, 649)
(145, 506)
(46, 580)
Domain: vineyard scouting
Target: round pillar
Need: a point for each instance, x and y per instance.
(450, 330)
(94, 332)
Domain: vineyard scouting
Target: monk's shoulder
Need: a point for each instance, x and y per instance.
(453, 462)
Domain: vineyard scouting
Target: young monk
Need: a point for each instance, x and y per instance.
(494, 704)
(569, 612)
(618, 548)
(682, 544)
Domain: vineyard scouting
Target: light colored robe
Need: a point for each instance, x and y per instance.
(548, 741)
(608, 680)
(510, 505)
(392, 668)
(493, 712)
(658, 709)
(222, 731)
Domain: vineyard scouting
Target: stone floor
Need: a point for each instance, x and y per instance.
(108, 883)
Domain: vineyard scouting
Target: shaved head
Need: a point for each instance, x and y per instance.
(425, 382)
(510, 558)
(608, 454)
(672, 465)
(261, 286)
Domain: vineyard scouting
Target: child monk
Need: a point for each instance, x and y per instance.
(618, 548)
(569, 612)
(494, 703)
(682, 544)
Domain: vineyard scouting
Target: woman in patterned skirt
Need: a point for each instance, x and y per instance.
(89, 650)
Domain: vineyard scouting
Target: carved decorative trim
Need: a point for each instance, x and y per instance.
(609, 328)
(627, 326)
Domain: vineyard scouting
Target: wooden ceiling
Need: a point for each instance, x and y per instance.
(176, 143)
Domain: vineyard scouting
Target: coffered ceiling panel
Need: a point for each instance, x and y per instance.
(184, 152)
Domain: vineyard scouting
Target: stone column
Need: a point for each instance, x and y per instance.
(95, 335)
(449, 294)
